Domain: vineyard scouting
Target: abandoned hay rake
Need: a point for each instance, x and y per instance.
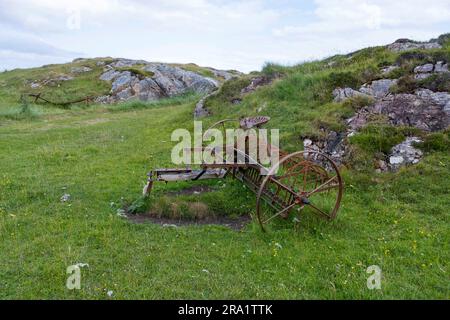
(303, 180)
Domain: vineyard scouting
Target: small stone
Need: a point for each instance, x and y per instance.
(65, 197)
(441, 67)
(396, 160)
(307, 143)
(426, 68)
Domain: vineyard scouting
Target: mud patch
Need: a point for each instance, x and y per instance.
(191, 191)
(236, 224)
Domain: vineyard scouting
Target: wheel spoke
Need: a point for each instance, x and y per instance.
(318, 210)
(322, 186)
(281, 212)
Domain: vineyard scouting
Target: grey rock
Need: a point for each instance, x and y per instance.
(109, 75)
(166, 81)
(255, 83)
(412, 110)
(100, 63)
(56, 80)
(422, 76)
(342, 94)
(396, 160)
(222, 74)
(125, 94)
(200, 109)
(378, 88)
(425, 110)
(121, 63)
(441, 98)
(103, 99)
(80, 69)
(385, 71)
(426, 68)
(441, 67)
(148, 90)
(65, 197)
(406, 44)
(307, 143)
(121, 81)
(405, 153)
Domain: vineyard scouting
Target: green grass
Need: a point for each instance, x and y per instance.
(397, 221)
(100, 156)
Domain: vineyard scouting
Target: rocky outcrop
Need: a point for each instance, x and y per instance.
(376, 89)
(257, 82)
(333, 145)
(342, 94)
(404, 154)
(200, 110)
(424, 111)
(406, 44)
(80, 69)
(151, 81)
(427, 70)
(379, 88)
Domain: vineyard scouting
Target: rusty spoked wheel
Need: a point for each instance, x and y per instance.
(305, 181)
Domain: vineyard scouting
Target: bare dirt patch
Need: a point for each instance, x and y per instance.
(236, 224)
(191, 191)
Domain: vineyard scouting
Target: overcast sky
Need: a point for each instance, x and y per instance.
(224, 34)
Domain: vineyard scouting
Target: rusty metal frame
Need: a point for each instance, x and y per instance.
(285, 198)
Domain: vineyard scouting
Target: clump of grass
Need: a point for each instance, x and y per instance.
(343, 79)
(197, 69)
(273, 70)
(229, 91)
(406, 84)
(438, 141)
(436, 82)
(137, 71)
(358, 101)
(23, 112)
(380, 138)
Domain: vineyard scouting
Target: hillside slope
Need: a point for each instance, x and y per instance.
(102, 81)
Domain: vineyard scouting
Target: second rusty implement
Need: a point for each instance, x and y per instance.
(303, 181)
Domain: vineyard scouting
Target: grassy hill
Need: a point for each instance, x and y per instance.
(100, 154)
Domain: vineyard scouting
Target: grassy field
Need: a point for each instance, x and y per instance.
(100, 156)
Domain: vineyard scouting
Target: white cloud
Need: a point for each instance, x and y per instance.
(336, 16)
(224, 34)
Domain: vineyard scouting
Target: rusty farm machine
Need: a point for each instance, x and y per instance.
(300, 181)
